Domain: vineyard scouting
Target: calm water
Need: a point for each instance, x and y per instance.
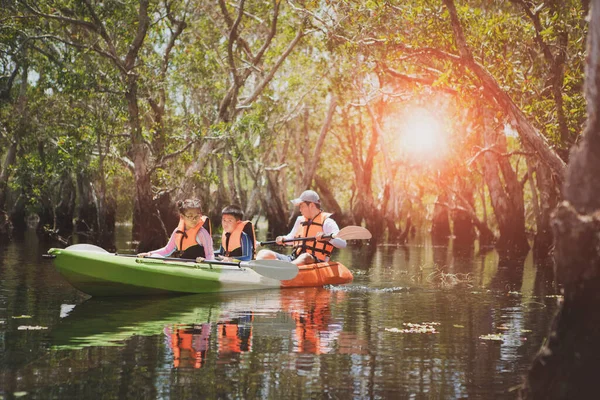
(418, 322)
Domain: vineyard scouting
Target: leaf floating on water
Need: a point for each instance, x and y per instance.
(492, 336)
(31, 328)
(526, 330)
(458, 326)
(19, 394)
(425, 327)
(22, 316)
(504, 327)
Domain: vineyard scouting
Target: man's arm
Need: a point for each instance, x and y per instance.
(330, 227)
(291, 234)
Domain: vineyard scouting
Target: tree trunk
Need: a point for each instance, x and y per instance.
(9, 160)
(312, 166)
(169, 215)
(106, 204)
(66, 207)
(506, 193)
(234, 197)
(18, 215)
(275, 211)
(365, 207)
(548, 200)
(87, 213)
(147, 227)
(566, 365)
(463, 227)
(46, 207)
(11, 154)
(440, 222)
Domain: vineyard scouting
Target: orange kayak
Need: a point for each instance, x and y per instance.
(320, 274)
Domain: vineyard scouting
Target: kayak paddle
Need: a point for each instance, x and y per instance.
(348, 233)
(274, 269)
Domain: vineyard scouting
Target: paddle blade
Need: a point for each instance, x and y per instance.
(86, 247)
(275, 269)
(353, 233)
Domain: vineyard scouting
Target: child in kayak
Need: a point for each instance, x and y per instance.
(191, 239)
(238, 239)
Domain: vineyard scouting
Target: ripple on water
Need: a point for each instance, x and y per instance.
(367, 289)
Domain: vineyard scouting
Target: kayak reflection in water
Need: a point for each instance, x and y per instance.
(191, 343)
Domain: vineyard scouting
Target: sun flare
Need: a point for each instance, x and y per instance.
(422, 135)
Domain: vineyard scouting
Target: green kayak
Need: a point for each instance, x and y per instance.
(98, 273)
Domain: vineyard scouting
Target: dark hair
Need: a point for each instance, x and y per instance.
(188, 204)
(234, 210)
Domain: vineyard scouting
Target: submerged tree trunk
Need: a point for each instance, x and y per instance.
(567, 365)
(548, 200)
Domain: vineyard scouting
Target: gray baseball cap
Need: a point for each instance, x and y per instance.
(308, 195)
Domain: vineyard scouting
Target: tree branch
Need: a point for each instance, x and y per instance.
(143, 24)
(260, 87)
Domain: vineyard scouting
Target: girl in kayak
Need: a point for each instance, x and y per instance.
(191, 239)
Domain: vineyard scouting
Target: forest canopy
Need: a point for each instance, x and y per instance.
(451, 116)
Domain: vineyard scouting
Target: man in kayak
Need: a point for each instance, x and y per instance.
(313, 222)
(238, 240)
(190, 239)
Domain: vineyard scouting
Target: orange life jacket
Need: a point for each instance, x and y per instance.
(232, 243)
(309, 228)
(185, 240)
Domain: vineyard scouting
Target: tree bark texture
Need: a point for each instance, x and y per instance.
(567, 364)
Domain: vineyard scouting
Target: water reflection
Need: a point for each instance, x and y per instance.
(353, 341)
(192, 323)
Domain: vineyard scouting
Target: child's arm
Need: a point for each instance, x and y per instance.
(205, 240)
(167, 250)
